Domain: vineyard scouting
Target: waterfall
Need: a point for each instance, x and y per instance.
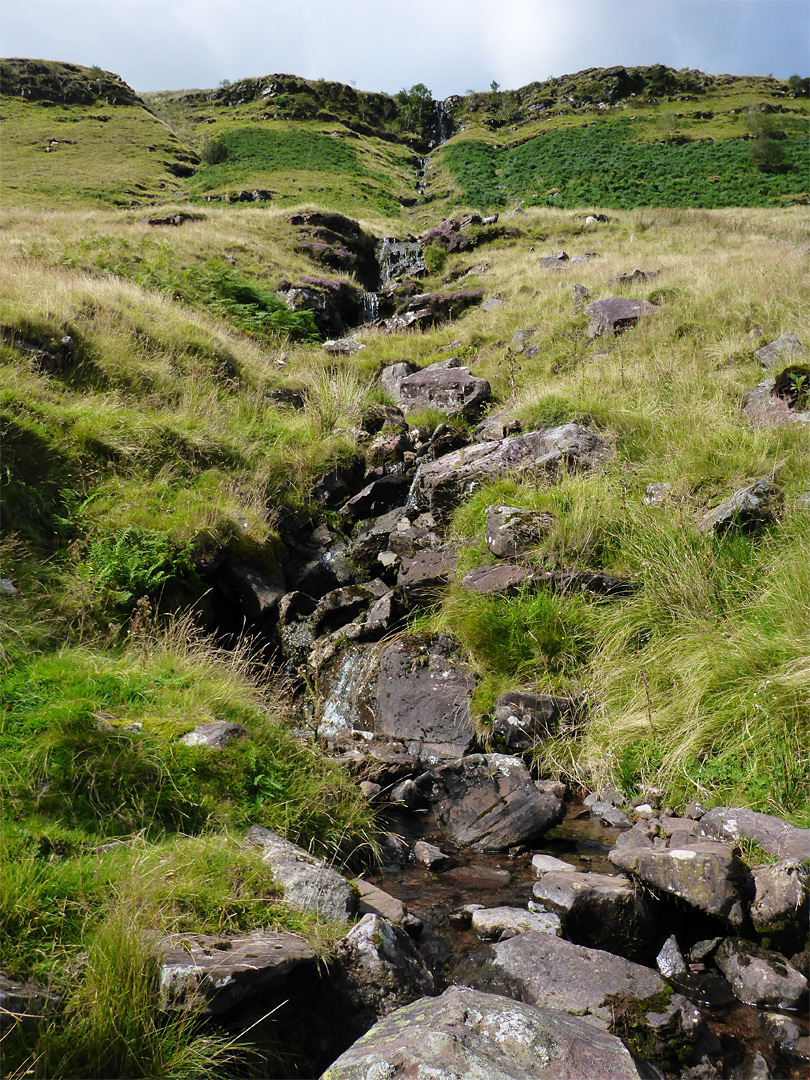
(443, 126)
(371, 307)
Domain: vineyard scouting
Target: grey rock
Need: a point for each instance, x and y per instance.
(426, 571)
(695, 811)
(611, 816)
(256, 591)
(600, 911)
(656, 494)
(706, 875)
(497, 426)
(447, 386)
(763, 408)
(511, 530)
(615, 314)
(341, 606)
(375, 901)
(498, 924)
(545, 864)
(217, 973)
(704, 950)
(489, 802)
(754, 1067)
(751, 507)
(498, 580)
(376, 498)
(378, 969)
(760, 977)
(771, 833)
(8, 588)
(308, 883)
(431, 857)
(477, 879)
(780, 352)
(670, 961)
(781, 904)
(478, 1036)
(215, 734)
(440, 485)
(24, 1003)
(579, 294)
(521, 719)
(347, 346)
(522, 341)
(636, 277)
(557, 261)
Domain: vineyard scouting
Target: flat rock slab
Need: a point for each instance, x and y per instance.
(465, 1033)
(441, 485)
(497, 580)
(706, 875)
(615, 314)
(760, 977)
(773, 834)
(308, 883)
(426, 571)
(447, 386)
(222, 971)
(490, 802)
(764, 408)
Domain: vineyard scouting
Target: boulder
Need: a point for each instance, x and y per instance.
(431, 857)
(25, 1003)
(750, 508)
(780, 352)
(601, 911)
(498, 924)
(219, 972)
(450, 234)
(781, 904)
(525, 343)
(335, 305)
(521, 719)
(348, 346)
(308, 883)
(376, 498)
(446, 386)
(545, 864)
(377, 969)
(215, 734)
(498, 580)
(440, 485)
(429, 308)
(760, 977)
(771, 833)
(465, 1033)
(489, 802)
(254, 591)
(603, 989)
(707, 875)
(511, 530)
(426, 571)
(615, 314)
(392, 376)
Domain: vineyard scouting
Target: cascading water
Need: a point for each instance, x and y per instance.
(370, 311)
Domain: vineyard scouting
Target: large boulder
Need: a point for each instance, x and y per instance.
(605, 990)
(490, 802)
(601, 911)
(781, 904)
(707, 875)
(308, 883)
(465, 1033)
(440, 485)
(446, 386)
(417, 688)
(779, 352)
(217, 973)
(773, 834)
(615, 314)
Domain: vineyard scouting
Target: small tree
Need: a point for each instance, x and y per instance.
(764, 150)
(416, 109)
(799, 86)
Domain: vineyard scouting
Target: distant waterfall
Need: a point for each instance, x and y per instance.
(443, 126)
(371, 308)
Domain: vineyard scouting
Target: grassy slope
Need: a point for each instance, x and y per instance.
(129, 462)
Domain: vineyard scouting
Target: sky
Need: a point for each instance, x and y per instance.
(452, 46)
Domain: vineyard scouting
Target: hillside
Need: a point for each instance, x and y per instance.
(226, 524)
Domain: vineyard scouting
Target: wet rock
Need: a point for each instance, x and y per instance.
(431, 857)
(254, 591)
(446, 386)
(498, 580)
(426, 309)
(755, 1067)
(394, 852)
(781, 904)
(400, 258)
(545, 864)
(378, 969)
(219, 972)
(600, 911)
(787, 1035)
(308, 883)
(214, 734)
(338, 484)
(477, 878)
(498, 924)
(750, 508)
(440, 485)
(511, 530)
(343, 605)
(374, 536)
(489, 802)
(642, 834)
(706, 875)
(760, 977)
(616, 314)
(703, 950)
(465, 1033)
(521, 719)
(375, 901)
(336, 306)
(771, 833)
(780, 352)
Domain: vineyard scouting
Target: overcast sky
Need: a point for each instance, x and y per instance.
(450, 45)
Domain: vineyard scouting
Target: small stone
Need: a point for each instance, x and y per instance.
(656, 494)
(431, 857)
(546, 864)
(670, 961)
(369, 790)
